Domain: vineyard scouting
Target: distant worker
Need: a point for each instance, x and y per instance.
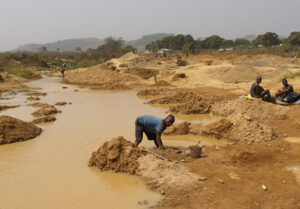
(287, 93)
(257, 91)
(63, 68)
(153, 127)
(295, 58)
(164, 53)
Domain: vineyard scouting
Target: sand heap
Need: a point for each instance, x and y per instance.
(14, 130)
(120, 155)
(45, 109)
(251, 119)
(4, 107)
(186, 102)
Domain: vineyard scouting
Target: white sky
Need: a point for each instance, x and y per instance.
(41, 21)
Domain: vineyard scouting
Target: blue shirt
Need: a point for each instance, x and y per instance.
(152, 124)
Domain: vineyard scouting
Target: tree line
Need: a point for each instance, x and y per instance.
(187, 44)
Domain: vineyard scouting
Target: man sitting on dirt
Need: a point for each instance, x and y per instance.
(287, 93)
(152, 127)
(257, 91)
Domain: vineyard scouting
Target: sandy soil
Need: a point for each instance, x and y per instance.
(251, 172)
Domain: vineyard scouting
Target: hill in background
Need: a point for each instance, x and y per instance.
(86, 43)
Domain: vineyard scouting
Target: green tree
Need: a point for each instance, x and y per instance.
(227, 43)
(78, 49)
(241, 42)
(268, 39)
(294, 38)
(44, 49)
(212, 42)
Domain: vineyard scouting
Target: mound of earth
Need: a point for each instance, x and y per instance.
(36, 94)
(153, 92)
(187, 102)
(45, 110)
(4, 107)
(100, 77)
(45, 119)
(14, 130)
(165, 175)
(118, 155)
(144, 73)
(217, 129)
(33, 98)
(179, 129)
(233, 73)
(161, 83)
(193, 107)
(60, 103)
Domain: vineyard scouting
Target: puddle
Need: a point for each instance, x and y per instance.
(293, 139)
(296, 171)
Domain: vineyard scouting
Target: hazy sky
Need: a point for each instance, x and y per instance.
(41, 21)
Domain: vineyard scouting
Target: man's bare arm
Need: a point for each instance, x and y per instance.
(158, 140)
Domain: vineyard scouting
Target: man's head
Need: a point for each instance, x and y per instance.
(284, 82)
(170, 119)
(259, 79)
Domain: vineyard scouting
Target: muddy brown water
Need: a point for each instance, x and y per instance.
(51, 170)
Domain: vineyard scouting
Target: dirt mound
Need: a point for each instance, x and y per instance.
(118, 155)
(161, 83)
(33, 98)
(217, 129)
(144, 73)
(187, 102)
(36, 94)
(100, 77)
(179, 129)
(14, 130)
(249, 109)
(39, 104)
(252, 119)
(61, 103)
(165, 175)
(4, 107)
(45, 110)
(233, 73)
(153, 92)
(193, 107)
(45, 119)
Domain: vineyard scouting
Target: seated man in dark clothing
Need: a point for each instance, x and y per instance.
(152, 127)
(287, 93)
(257, 91)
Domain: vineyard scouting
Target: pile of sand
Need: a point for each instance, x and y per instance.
(44, 119)
(45, 110)
(185, 102)
(251, 119)
(217, 129)
(14, 130)
(4, 107)
(233, 73)
(179, 129)
(153, 92)
(118, 155)
(100, 77)
(144, 73)
(36, 94)
(165, 175)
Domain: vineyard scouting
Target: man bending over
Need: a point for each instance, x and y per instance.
(152, 127)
